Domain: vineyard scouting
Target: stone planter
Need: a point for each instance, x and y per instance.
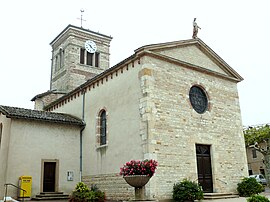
(138, 182)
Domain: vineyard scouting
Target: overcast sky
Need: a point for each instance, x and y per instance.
(237, 30)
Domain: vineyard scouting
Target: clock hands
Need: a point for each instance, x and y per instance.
(90, 46)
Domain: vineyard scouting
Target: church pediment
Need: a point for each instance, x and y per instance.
(194, 53)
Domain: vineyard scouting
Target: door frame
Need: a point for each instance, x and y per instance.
(56, 184)
(211, 163)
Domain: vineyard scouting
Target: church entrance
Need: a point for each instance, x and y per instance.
(204, 167)
(49, 173)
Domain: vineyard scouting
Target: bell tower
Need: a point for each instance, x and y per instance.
(78, 55)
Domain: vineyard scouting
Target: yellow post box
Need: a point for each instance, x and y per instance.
(25, 183)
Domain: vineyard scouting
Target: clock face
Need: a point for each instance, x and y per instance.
(90, 46)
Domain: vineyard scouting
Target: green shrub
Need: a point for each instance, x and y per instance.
(187, 190)
(258, 198)
(249, 187)
(83, 194)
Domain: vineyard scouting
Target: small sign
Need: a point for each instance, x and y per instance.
(70, 175)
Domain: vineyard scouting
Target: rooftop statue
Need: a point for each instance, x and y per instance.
(195, 29)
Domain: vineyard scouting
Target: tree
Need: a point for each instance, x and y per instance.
(258, 137)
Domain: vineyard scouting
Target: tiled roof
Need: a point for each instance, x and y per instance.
(47, 93)
(20, 113)
(41, 95)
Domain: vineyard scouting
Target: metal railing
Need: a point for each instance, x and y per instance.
(9, 184)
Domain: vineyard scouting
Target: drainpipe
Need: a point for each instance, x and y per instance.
(81, 132)
(51, 71)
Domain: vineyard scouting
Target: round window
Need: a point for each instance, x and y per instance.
(198, 99)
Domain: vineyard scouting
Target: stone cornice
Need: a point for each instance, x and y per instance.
(202, 46)
(187, 65)
(87, 31)
(220, 60)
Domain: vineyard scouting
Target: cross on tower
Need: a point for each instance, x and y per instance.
(81, 17)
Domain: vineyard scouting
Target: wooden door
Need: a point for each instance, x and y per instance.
(204, 167)
(49, 177)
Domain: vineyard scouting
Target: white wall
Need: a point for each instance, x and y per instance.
(4, 147)
(32, 141)
(120, 97)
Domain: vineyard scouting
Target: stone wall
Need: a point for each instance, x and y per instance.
(169, 127)
(114, 186)
(177, 128)
(70, 73)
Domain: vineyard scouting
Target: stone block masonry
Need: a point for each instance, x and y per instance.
(114, 186)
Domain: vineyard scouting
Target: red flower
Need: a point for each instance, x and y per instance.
(136, 167)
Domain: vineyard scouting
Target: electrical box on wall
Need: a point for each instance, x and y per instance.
(70, 175)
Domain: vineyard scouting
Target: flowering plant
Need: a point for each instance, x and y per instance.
(136, 167)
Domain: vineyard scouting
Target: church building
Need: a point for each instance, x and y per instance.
(176, 102)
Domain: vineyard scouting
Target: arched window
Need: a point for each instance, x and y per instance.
(62, 57)
(103, 128)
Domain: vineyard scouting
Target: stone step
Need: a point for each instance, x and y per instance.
(48, 198)
(58, 192)
(51, 196)
(212, 196)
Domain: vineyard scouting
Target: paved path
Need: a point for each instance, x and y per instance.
(240, 199)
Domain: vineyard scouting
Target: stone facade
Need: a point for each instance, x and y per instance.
(146, 98)
(114, 186)
(149, 115)
(46, 98)
(67, 72)
(255, 162)
(177, 128)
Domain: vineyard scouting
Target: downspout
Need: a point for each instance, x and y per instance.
(51, 71)
(81, 132)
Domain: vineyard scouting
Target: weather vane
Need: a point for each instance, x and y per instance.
(81, 17)
(195, 29)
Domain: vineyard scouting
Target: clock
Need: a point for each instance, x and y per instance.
(90, 46)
